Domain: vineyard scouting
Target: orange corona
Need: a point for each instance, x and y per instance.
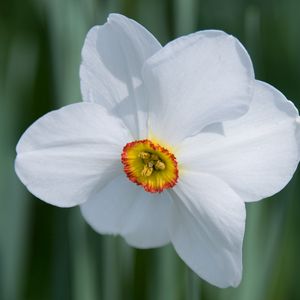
(150, 165)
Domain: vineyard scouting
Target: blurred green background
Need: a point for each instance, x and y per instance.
(50, 253)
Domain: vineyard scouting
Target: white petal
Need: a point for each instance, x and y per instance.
(208, 227)
(195, 81)
(257, 154)
(110, 73)
(69, 154)
(126, 209)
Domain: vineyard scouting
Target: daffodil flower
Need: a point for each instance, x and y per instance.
(167, 146)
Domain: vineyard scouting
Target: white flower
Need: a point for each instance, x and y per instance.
(167, 146)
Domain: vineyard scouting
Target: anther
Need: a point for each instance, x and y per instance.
(159, 165)
(147, 171)
(144, 155)
(154, 157)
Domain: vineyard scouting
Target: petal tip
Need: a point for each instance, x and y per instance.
(114, 17)
(237, 281)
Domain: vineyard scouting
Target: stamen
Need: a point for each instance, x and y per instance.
(159, 165)
(147, 171)
(144, 155)
(151, 162)
(154, 157)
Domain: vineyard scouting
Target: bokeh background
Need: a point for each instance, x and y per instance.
(50, 253)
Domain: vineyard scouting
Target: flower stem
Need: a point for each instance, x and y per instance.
(193, 291)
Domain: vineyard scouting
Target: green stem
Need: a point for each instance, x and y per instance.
(193, 291)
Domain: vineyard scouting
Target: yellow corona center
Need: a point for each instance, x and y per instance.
(150, 165)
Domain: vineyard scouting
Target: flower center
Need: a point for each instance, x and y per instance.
(149, 165)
